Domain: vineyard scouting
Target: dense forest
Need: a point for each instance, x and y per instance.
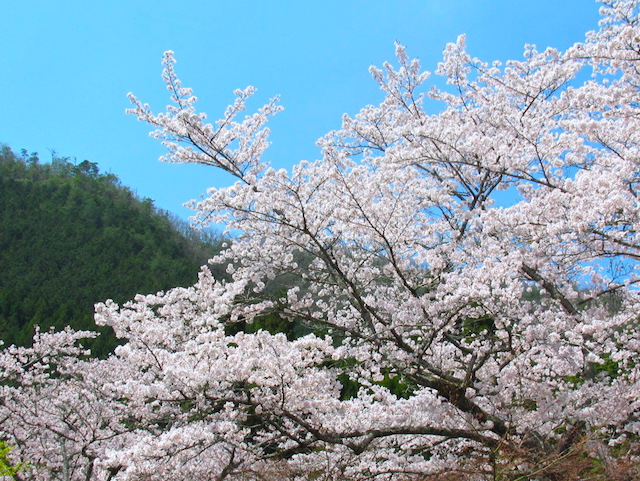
(71, 236)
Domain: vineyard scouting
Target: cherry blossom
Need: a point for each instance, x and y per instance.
(465, 259)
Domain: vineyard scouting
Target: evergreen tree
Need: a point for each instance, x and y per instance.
(71, 237)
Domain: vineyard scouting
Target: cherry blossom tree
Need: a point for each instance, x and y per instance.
(465, 259)
(56, 411)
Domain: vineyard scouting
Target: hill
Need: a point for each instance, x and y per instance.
(71, 236)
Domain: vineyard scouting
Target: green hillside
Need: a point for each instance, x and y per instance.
(70, 237)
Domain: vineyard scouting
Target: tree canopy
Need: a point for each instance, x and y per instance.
(466, 257)
(71, 236)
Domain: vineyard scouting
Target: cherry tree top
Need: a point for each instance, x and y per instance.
(453, 333)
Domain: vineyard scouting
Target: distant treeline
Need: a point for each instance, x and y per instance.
(71, 236)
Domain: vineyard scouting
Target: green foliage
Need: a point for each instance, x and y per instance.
(71, 237)
(398, 385)
(608, 367)
(7, 467)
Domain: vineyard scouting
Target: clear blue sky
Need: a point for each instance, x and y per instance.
(67, 66)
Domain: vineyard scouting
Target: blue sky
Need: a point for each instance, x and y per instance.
(67, 66)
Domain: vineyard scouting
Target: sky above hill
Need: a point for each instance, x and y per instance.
(67, 66)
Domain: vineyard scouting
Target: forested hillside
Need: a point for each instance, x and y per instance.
(71, 236)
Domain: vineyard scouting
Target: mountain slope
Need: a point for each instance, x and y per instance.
(70, 237)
